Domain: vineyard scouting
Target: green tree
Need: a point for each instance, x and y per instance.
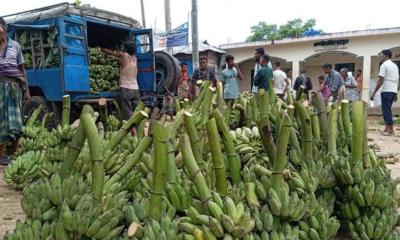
(292, 29)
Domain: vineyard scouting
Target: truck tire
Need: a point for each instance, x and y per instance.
(168, 65)
(33, 103)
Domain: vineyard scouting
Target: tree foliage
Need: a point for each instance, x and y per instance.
(292, 29)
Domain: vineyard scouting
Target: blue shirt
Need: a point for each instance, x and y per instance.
(230, 79)
(334, 81)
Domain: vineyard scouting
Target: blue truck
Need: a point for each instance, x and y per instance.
(58, 39)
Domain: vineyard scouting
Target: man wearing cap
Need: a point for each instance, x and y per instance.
(13, 88)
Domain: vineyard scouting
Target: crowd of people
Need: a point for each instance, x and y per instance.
(333, 85)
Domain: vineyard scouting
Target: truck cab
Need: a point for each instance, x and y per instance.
(56, 43)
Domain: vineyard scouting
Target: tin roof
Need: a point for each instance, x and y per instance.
(328, 36)
(71, 9)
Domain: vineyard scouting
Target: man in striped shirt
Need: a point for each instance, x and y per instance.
(13, 87)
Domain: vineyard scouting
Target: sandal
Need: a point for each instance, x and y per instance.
(5, 160)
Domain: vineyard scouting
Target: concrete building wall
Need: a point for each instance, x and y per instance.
(361, 50)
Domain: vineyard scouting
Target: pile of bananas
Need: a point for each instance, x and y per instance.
(190, 190)
(24, 169)
(374, 224)
(103, 71)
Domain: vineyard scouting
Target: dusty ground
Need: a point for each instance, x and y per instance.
(388, 147)
(10, 209)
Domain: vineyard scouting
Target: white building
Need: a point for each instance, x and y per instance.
(354, 50)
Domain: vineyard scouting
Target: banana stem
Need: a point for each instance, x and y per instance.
(267, 139)
(46, 118)
(206, 105)
(264, 104)
(358, 132)
(306, 131)
(345, 114)
(74, 147)
(233, 160)
(366, 157)
(66, 110)
(217, 158)
(172, 174)
(130, 162)
(254, 109)
(283, 140)
(315, 127)
(193, 136)
(177, 105)
(126, 127)
(35, 114)
(200, 98)
(96, 153)
(193, 169)
(322, 115)
(332, 133)
(159, 171)
(103, 111)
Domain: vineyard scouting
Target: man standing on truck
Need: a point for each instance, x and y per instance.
(13, 85)
(128, 77)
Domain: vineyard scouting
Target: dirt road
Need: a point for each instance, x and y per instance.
(10, 209)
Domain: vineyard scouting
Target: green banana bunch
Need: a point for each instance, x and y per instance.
(63, 133)
(47, 168)
(374, 224)
(30, 229)
(322, 169)
(222, 217)
(321, 226)
(24, 169)
(166, 229)
(178, 196)
(113, 124)
(248, 145)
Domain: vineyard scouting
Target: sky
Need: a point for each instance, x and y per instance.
(229, 21)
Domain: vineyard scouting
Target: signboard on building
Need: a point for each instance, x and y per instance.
(330, 45)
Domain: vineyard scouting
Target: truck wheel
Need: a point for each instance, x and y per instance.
(168, 65)
(33, 103)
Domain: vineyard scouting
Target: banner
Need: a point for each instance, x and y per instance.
(174, 38)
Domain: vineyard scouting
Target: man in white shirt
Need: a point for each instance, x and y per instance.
(389, 81)
(280, 81)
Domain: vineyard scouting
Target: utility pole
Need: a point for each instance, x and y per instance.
(195, 36)
(143, 15)
(167, 9)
